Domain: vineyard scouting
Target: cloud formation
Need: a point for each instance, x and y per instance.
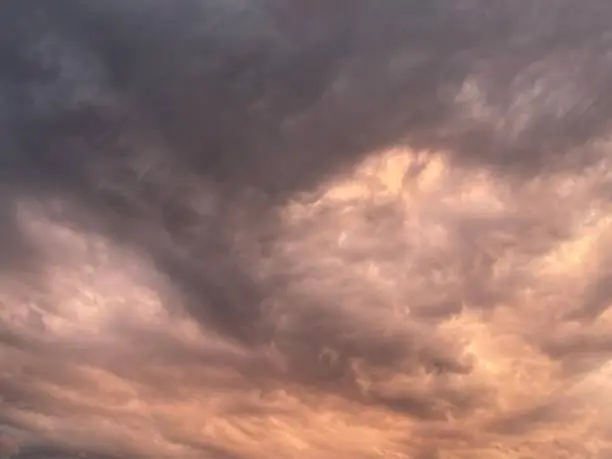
(310, 230)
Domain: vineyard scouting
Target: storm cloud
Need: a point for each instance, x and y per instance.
(242, 230)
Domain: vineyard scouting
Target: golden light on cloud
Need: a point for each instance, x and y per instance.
(352, 229)
(457, 369)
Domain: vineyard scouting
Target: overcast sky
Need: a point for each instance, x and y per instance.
(309, 230)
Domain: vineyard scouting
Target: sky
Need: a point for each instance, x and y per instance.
(305, 230)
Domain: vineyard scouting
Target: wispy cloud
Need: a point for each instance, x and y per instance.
(347, 229)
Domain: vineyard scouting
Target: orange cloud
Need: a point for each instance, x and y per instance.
(241, 231)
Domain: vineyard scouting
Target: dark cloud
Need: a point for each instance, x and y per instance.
(323, 229)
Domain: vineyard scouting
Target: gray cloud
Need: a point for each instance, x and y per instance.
(347, 229)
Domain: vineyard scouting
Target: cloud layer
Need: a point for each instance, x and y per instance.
(334, 229)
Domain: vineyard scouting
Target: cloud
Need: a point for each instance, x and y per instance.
(336, 230)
